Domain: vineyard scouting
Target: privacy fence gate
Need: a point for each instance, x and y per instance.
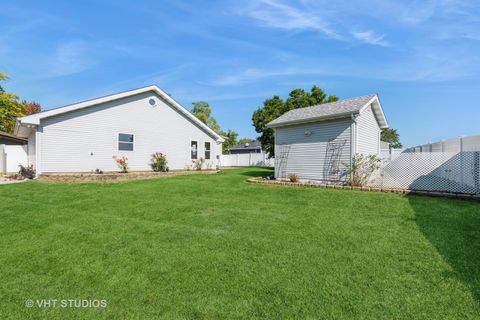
(447, 166)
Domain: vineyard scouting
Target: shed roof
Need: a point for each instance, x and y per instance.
(331, 110)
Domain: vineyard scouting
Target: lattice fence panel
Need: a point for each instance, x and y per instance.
(433, 171)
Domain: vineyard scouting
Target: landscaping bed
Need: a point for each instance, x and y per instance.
(465, 196)
(116, 176)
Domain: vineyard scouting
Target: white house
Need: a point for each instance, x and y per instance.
(319, 142)
(85, 136)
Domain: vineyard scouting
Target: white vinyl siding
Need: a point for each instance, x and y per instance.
(368, 133)
(307, 153)
(86, 139)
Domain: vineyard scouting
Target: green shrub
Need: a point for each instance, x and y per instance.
(158, 162)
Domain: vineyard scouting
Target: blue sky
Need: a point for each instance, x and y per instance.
(421, 57)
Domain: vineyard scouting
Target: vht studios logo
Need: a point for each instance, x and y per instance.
(65, 303)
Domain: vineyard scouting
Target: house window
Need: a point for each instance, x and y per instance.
(207, 150)
(194, 149)
(125, 142)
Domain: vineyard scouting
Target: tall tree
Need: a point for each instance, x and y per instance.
(203, 112)
(230, 140)
(3, 77)
(10, 107)
(31, 107)
(245, 140)
(391, 136)
(275, 107)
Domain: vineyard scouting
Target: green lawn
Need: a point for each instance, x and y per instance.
(216, 247)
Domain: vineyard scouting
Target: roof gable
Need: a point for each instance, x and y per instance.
(332, 110)
(35, 119)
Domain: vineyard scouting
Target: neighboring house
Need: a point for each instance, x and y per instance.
(13, 152)
(85, 136)
(319, 142)
(10, 139)
(247, 147)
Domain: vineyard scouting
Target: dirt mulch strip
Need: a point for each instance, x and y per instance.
(114, 176)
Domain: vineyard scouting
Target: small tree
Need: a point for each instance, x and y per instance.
(362, 168)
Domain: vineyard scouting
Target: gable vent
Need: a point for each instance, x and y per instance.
(152, 102)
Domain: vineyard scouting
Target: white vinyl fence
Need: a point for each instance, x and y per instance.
(390, 154)
(246, 160)
(447, 166)
(3, 159)
(11, 156)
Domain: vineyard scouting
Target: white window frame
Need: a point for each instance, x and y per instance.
(198, 149)
(118, 142)
(205, 150)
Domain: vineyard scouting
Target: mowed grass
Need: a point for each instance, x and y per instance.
(217, 247)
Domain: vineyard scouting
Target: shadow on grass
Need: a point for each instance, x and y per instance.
(453, 228)
(258, 172)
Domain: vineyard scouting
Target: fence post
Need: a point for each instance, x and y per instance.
(462, 162)
(476, 170)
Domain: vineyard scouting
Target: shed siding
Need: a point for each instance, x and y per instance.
(86, 139)
(307, 154)
(368, 133)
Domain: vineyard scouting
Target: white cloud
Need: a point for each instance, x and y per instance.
(326, 20)
(70, 58)
(370, 37)
(275, 14)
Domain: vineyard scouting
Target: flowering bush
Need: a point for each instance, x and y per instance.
(362, 169)
(121, 163)
(159, 162)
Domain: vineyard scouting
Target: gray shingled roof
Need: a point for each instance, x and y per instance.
(320, 111)
(251, 145)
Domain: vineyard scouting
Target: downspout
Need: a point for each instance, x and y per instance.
(353, 143)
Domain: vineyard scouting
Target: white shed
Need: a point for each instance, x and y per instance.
(83, 137)
(316, 143)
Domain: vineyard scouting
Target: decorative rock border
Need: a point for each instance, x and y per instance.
(115, 176)
(260, 180)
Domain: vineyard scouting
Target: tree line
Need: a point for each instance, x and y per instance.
(12, 107)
